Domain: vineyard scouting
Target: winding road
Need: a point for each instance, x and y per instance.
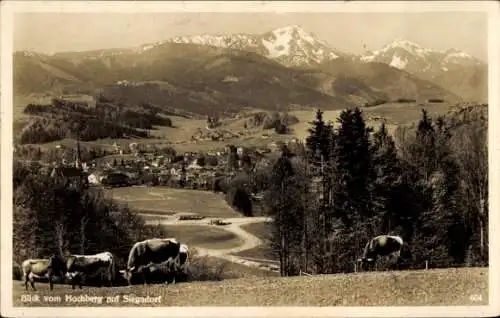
(249, 240)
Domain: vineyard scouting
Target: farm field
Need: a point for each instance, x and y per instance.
(169, 201)
(395, 114)
(209, 237)
(445, 287)
(179, 136)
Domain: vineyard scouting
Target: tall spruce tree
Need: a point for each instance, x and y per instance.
(285, 203)
(386, 178)
(353, 162)
(320, 144)
(319, 140)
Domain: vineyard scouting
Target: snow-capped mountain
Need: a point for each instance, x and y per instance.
(452, 69)
(289, 45)
(411, 57)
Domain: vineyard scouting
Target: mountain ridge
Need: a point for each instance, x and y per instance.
(207, 71)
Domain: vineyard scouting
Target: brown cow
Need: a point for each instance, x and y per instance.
(41, 269)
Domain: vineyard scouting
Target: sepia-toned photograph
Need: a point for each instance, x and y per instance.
(203, 156)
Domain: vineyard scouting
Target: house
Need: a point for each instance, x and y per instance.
(95, 177)
(117, 149)
(240, 151)
(194, 165)
(72, 174)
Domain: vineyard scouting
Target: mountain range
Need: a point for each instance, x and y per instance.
(286, 66)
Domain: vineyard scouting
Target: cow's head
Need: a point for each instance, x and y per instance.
(366, 262)
(70, 261)
(56, 264)
(129, 273)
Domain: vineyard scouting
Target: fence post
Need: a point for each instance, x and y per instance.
(426, 265)
(355, 267)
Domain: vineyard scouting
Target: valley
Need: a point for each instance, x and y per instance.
(215, 140)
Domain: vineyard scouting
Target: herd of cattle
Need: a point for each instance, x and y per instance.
(150, 261)
(158, 261)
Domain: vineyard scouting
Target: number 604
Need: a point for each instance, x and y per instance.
(476, 297)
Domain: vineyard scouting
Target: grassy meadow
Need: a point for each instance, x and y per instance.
(439, 287)
(168, 201)
(210, 237)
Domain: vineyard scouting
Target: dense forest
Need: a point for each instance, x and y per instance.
(65, 119)
(349, 183)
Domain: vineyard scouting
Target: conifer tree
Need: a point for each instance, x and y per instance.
(319, 140)
(285, 202)
(386, 178)
(352, 167)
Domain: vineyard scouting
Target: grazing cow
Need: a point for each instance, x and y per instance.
(383, 245)
(42, 268)
(100, 266)
(154, 251)
(170, 271)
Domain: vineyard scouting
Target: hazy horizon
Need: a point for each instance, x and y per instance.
(346, 31)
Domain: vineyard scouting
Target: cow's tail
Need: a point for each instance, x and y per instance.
(367, 249)
(112, 270)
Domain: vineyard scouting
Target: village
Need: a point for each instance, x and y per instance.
(148, 166)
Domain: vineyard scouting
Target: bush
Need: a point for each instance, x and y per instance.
(220, 185)
(406, 100)
(201, 160)
(376, 102)
(211, 161)
(203, 268)
(281, 129)
(435, 100)
(239, 199)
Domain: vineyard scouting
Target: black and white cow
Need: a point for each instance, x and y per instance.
(145, 256)
(42, 269)
(171, 271)
(100, 267)
(382, 245)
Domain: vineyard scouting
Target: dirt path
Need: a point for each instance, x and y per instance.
(249, 241)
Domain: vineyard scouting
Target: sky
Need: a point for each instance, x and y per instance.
(346, 31)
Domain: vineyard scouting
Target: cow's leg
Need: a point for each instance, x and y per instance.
(26, 277)
(32, 283)
(51, 283)
(110, 278)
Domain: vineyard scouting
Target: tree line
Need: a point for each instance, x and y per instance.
(350, 182)
(56, 214)
(67, 119)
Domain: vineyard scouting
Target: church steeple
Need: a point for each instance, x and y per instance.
(78, 154)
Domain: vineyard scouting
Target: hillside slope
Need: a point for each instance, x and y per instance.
(445, 287)
(207, 80)
(395, 83)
